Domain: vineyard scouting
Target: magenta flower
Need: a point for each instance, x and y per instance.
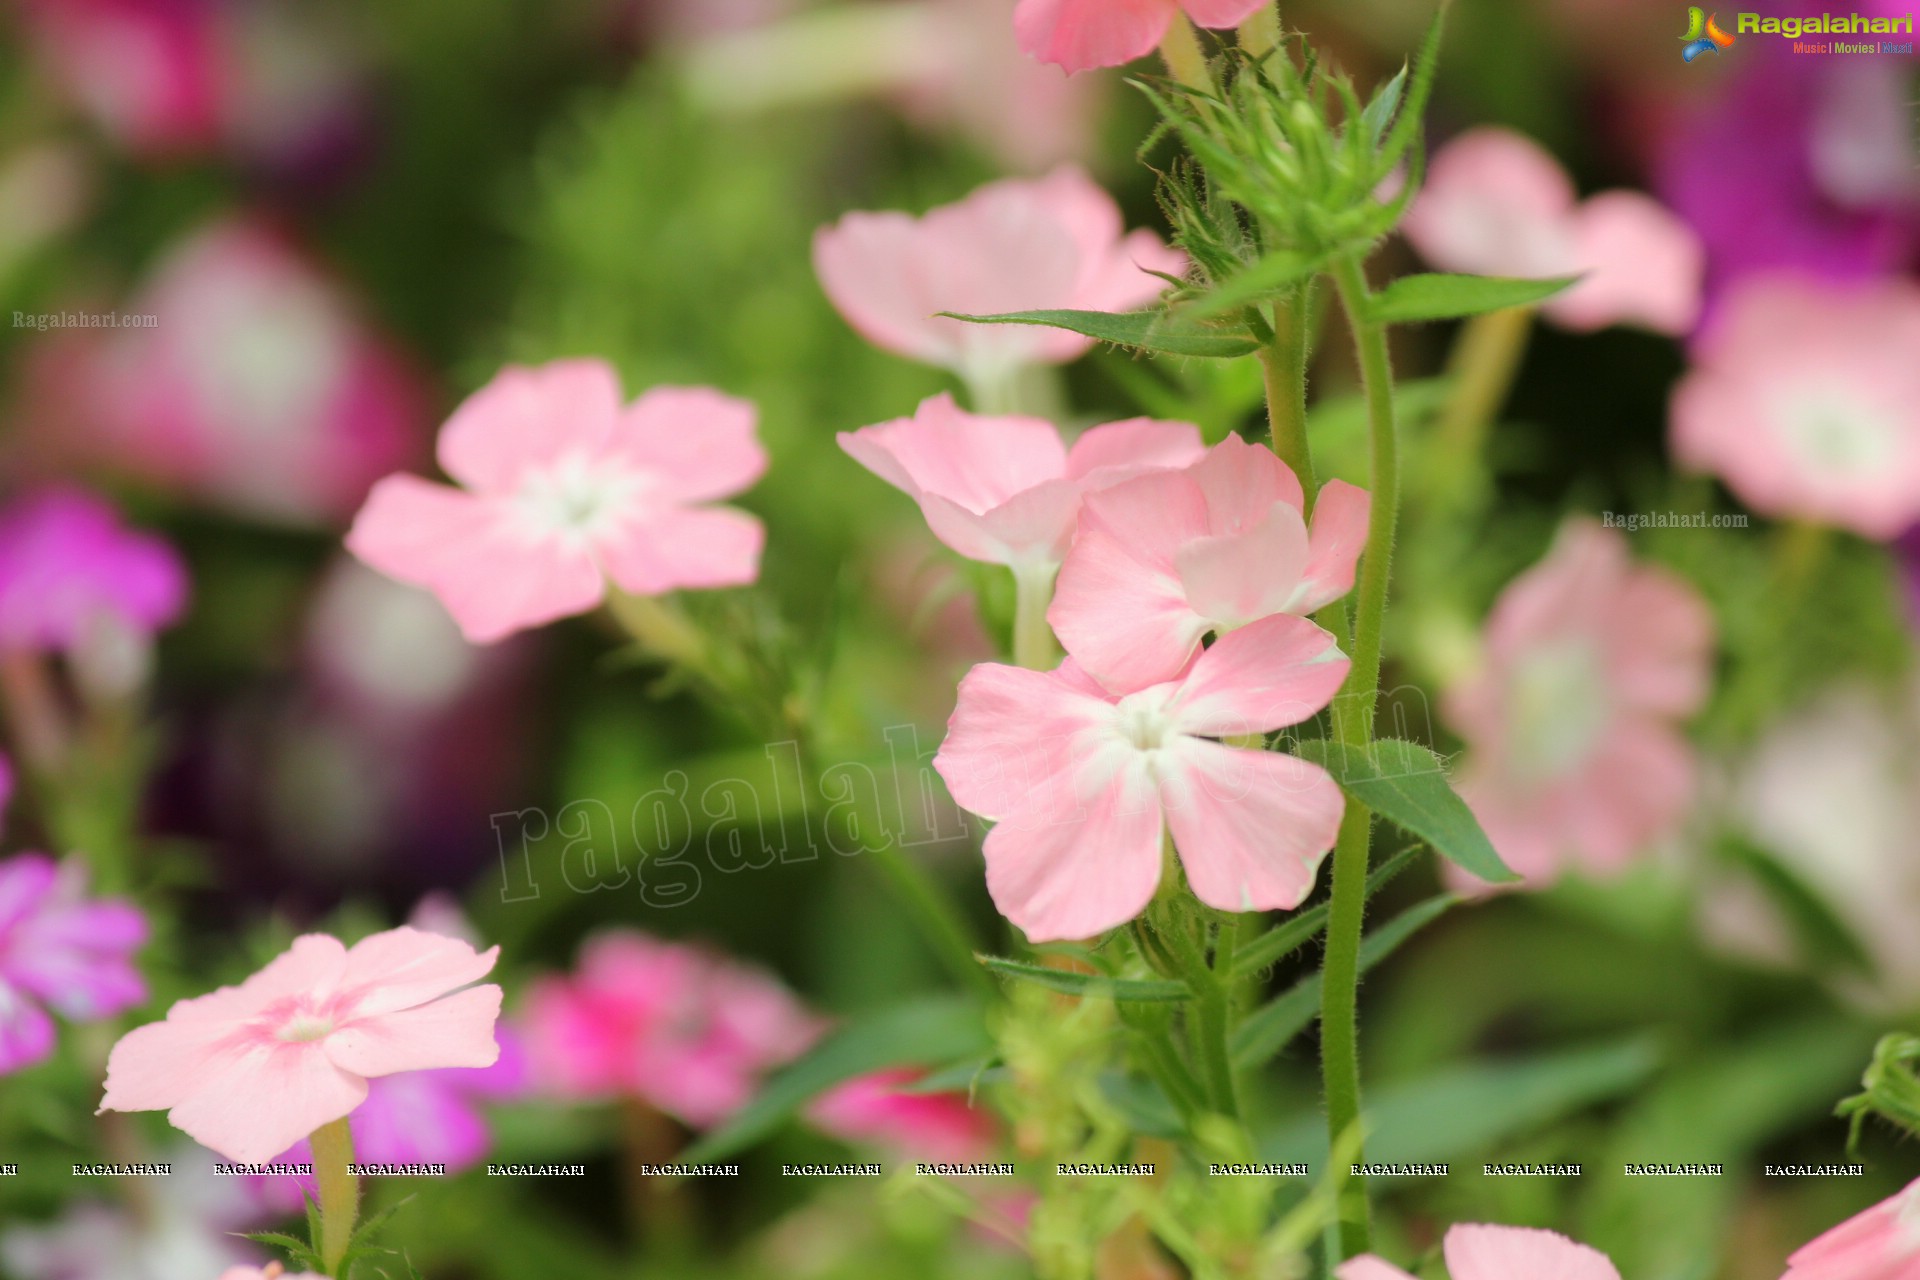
(1013, 245)
(1477, 1252)
(1805, 398)
(261, 387)
(68, 566)
(1162, 561)
(877, 1110)
(60, 950)
(1007, 490)
(1573, 751)
(565, 488)
(1082, 34)
(686, 1031)
(1882, 1243)
(1084, 785)
(1496, 203)
(150, 73)
(249, 1070)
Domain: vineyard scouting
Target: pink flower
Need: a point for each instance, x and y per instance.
(566, 488)
(272, 1271)
(1502, 1253)
(60, 950)
(1590, 661)
(249, 1070)
(1007, 490)
(1165, 559)
(69, 566)
(1495, 203)
(1081, 34)
(260, 386)
(1013, 245)
(686, 1031)
(1083, 784)
(1882, 1243)
(1805, 399)
(878, 1110)
(149, 72)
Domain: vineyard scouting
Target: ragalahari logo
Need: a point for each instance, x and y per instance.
(1703, 34)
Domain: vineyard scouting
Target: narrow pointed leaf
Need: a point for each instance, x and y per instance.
(1068, 982)
(1269, 1029)
(1279, 943)
(1417, 298)
(1155, 331)
(1380, 112)
(1259, 281)
(1406, 784)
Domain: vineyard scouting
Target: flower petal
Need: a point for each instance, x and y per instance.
(700, 443)
(26, 1032)
(1495, 203)
(1644, 266)
(1476, 1252)
(1241, 481)
(528, 416)
(1220, 13)
(1116, 451)
(1253, 574)
(456, 1031)
(1251, 826)
(25, 882)
(693, 548)
(1081, 34)
(255, 1100)
(1079, 874)
(406, 967)
(1030, 528)
(160, 1065)
(313, 964)
(977, 462)
(1011, 728)
(1339, 536)
(1368, 1267)
(494, 579)
(1266, 675)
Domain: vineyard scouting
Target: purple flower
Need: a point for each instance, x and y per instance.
(61, 950)
(68, 564)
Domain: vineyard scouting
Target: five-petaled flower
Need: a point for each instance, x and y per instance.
(249, 1070)
(60, 949)
(1081, 34)
(566, 488)
(1164, 560)
(1476, 1252)
(1084, 785)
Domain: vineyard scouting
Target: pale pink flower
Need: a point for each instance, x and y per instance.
(1163, 560)
(250, 1070)
(687, 1031)
(1805, 398)
(1495, 203)
(566, 488)
(1084, 785)
(260, 386)
(1476, 1252)
(272, 1271)
(1007, 490)
(1573, 754)
(1081, 34)
(1013, 245)
(879, 1110)
(1882, 1243)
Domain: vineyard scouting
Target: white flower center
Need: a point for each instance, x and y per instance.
(1838, 435)
(1142, 722)
(1558, 709)
(304, 1028)
(578, 500)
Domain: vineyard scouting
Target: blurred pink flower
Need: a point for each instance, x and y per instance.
(1496, 203)
(6, 788)
(60, 950)
(257, 386)
(1081, 34)
(1572, 750)
(1805, 398)
(1163, 560)
(1013, 245)
(566, 488)
(68, 566)
(150, 73)
(878, 1110)
(1083, 785)
(272, 1271)
(249, 1070)
(1006, 490)
(689, 1032)
(1882, 1243)
(1477, 1252)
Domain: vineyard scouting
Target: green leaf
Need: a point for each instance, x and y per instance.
(1824, 935)
(1406, 784)
(1155, 331)
(1139, 990)
(1468, 1112)
(1259, 281)
(1279, 943)
(1270, 1027)
(1380, 111)
(959, 1077)
(936, 1029)
(1412, 299)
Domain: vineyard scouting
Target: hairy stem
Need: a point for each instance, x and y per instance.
(339, 1191)
(1283, 362)
(1186, 60)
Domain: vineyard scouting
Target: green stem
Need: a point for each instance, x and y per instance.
(1260, 34)
(1486, 358)
(339, 1191)
(1033, 644)
(1353, 725)
(1186, 60)
(1283, 363)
